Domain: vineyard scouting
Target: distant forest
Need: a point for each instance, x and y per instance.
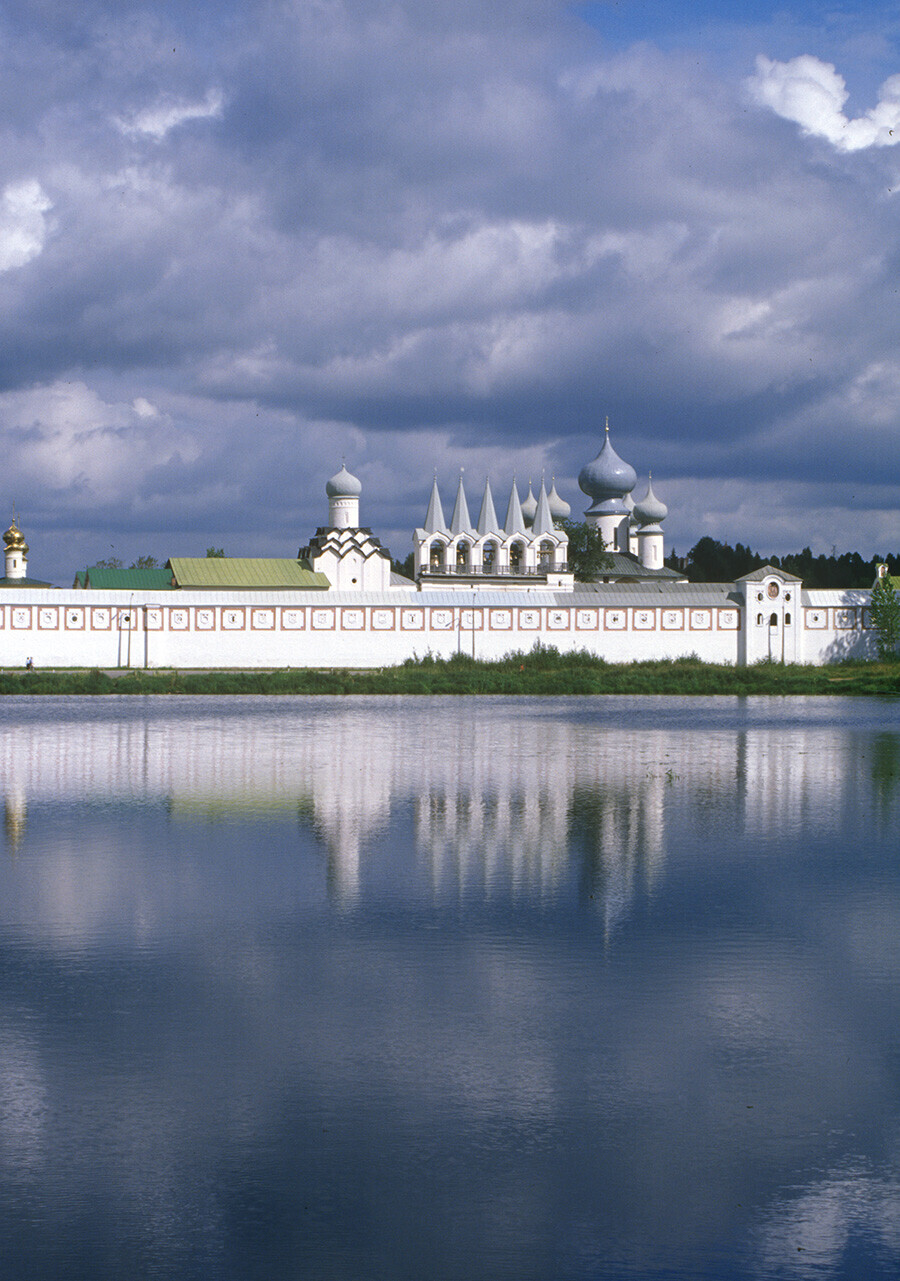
(713, 562)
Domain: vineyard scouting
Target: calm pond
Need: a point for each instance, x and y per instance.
(450, 988)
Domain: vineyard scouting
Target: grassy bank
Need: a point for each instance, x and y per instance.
(543, 671)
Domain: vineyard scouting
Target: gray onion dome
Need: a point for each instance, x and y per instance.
(529, 506)
(343, 485)
(650, 511)
(559, 508)
(607, 476)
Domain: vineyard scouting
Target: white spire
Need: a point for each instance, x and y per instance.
(543, 521)
(460, 522)
(514, 523)
(487, 517)
(434, 517)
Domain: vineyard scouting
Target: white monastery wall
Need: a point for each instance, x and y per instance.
(107, 629)
(837, 624)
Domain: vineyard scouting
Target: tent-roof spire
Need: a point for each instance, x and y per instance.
(543, 521)
(514, 523)
(487, 517)
(434, 517)
(460, 521)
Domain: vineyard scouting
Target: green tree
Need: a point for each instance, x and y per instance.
(110, 562)
(885, 616)
(145, 562)
(405, 567)
(587, 553)
(215, 553)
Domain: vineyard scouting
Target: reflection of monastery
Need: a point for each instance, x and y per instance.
(482, 586)
(521, 802)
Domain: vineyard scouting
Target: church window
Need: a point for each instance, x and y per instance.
(489, 557)
(545, 555)
(787, 620)
(515, 557)
(773, 620)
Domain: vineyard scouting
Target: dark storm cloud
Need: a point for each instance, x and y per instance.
(476, 229)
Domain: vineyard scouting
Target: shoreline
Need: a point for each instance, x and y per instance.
(540, 672)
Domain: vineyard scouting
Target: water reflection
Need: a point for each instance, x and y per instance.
(505, 799)
(582, 988)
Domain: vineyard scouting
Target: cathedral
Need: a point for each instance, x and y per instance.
(532, 541)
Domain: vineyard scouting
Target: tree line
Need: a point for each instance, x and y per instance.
(710, 561)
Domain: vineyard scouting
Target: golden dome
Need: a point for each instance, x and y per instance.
(15, 539)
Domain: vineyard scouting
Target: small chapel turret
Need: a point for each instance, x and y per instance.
(649, 513)
(16, 552)
(343, 491)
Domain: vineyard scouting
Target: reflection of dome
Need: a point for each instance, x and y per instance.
(607, 476)
(529, 506)
(559, 508)
(343, 485)
(650, 511)
(15, 539)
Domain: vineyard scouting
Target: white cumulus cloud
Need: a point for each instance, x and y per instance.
(23, 225)
(812, 94)
(157, 121)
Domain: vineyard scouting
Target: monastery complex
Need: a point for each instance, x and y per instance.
(481, 587)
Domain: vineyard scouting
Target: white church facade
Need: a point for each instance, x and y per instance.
(482, 587)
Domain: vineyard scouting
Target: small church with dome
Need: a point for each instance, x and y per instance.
(349, 556)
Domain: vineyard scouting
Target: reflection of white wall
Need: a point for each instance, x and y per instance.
(796, 777)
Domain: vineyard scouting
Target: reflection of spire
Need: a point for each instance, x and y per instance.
(343, 842)
(15, 814)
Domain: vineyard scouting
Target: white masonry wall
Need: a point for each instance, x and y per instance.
(107, 629)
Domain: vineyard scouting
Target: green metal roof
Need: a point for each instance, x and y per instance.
(23, 582)
(246, 573)
(129, 580)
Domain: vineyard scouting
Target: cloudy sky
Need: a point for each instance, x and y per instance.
(240, 240)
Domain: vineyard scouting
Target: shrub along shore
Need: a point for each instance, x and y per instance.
(542, 671)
